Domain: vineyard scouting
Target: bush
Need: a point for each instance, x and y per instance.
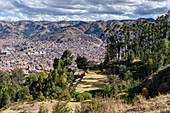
(80, 98)
(41, 97)
(108, 90)
(122, 68)
(103, 70)
(54, 95)
(67, 97)
(98, 71)
(137, 99)
(131, 56)
(87, 96)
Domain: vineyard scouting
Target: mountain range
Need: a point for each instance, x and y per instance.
(58, 31)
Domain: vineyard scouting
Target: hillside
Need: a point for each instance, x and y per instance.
(158, 82)
(56, 31)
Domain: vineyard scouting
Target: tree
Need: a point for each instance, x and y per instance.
(18, 75)
(55, 64)
(150, 66)
(12, 93)
(66, 58)
(6, 98)
(81, 62)
(131, 56)
(66, 54)
(23, 94)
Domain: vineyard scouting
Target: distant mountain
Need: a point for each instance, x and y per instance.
(148, 19)
(57, 31)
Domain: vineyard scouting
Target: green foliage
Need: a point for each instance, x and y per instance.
(67, 58)
(141, 39)
(12, 93)
(118, 86)
(67, 97)
(87, 96)
(66, 54)
(123, 71)
(23, 93)
(108, 89)
(79, 98)
(131, 56)
(54, 95)
(4, 98)
(137, 98)
(65, 61)
(150, 66)
(81, 62)
(41, 97)
(103, 70)
(18, 75)
(84, 96)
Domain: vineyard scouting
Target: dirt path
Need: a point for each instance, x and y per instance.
(91, 81)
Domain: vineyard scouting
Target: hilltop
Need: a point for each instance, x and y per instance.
(58, 31)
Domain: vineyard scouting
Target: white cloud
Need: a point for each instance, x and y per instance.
(55, 10)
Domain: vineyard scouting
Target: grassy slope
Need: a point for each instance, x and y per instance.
(91, 81)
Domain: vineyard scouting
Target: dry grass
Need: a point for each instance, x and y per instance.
(99, 105)
(110, 105)
(34, 106)
(92, 81)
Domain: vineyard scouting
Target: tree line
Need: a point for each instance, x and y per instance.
(147, 41)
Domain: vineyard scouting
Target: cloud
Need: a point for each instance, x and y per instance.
(55, 10)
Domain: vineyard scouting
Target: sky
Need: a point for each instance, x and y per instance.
(84, 10)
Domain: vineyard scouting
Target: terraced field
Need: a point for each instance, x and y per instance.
(91, 81)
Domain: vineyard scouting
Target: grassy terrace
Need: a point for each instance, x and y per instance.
(91, 81)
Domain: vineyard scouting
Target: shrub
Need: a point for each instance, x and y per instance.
(41, 97)
(80, 98)
(29, 97)
(87, 96)
(98, 71)
(145, 91)
(108, 90)
(131, 56)
(137, 98)
(67, 97)
(103, 70)
(54, 95)
(122, 69)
